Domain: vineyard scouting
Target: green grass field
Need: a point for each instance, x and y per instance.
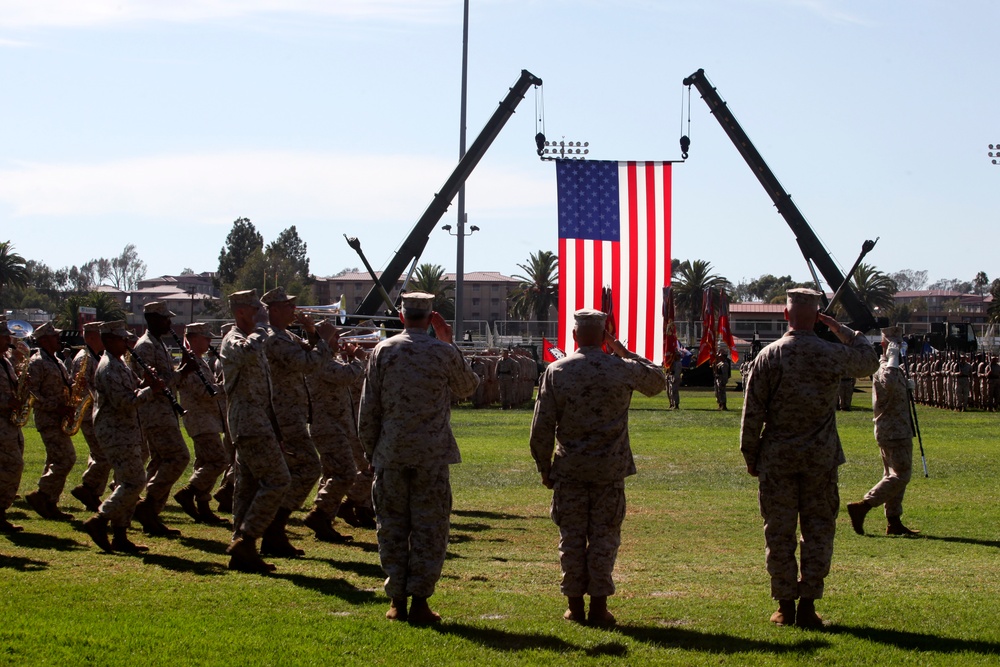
(692, 588)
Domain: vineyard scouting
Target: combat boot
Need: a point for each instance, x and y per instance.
(97, 527)
(275, 540)
(55, 513)
(151, 524)
(858, 512)
(185, 498)
(319, 521)
(600, 617)
(121, 543)
(365, 517)
(6, 526)
(206, 515)
(347, 512)
(896, 527)
(397, 610)
(40, 503)
(243, 557)
(421, 614)
(785, 614)
(89, 499)
(806, 616)
(575, 611)
(224, 496)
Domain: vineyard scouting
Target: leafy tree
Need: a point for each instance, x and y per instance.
(243, 240)
(290, 248)
(766, 288)
(951, 285)
(12, 267)
(909, 280)
(538, 289)
(693, 277)
(994, 308)
(126, 270)
(263, 273)
(980, 282)
(187, 271)
(430, 278)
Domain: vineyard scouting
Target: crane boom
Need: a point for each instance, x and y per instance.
(413, 246)
(812, 249)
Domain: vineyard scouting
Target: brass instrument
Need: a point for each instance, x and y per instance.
(25, 399)
(79, 398)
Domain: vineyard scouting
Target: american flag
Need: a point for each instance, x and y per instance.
(614, 231)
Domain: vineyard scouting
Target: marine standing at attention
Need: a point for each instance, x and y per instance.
(581, 416)
(404, 426)
(789, 441)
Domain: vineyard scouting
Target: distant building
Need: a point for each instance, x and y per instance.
(187, 296)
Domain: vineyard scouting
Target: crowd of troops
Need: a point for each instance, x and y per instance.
(955, 381)
(506, 377)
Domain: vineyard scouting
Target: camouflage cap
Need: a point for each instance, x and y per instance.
(589, 317)
(803, 296)
(893, 334)
(157, 308)
(244, 298)
(198, 329)
(277, 295)
(92, 326)
(46, 330)
(227, 327)
(416, 302)
(115, 328)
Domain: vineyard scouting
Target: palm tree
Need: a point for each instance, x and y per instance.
(875, 288)
(538, 290)
(691, 280)
(12, 267)
(108, 309)
(980, 282)
(430, 278)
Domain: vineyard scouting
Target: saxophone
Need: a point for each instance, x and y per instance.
(79, 397)
(19, 417)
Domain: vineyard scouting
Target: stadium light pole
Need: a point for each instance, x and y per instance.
(565, 150)
(995, 153)
(460, 255)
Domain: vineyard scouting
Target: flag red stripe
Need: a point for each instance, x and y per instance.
(651, 286)
(633, 253)
(598, 272)
(563, 292)
(581, 273)
(667, 200)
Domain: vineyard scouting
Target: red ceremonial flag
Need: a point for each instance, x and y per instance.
(725, 333)
(706, 349)
(670, 348)
(550, 352)
(614, 232)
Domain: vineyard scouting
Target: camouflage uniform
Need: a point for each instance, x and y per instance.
(582, 416)
(789, 435)
(49, 383)
(11, 440)
(290, 363)
(205, 424)
(95, 477)
(261, 472)
(360, 492)
(508, 371)
(169, 455)
(721, 372)
(891, 414)
(334, 429)
(674, 383)
(404, 427)
(116, 425)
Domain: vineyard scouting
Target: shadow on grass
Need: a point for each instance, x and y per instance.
(960, 540)
(706, 642)
(479, 514)
(177, 564)
(917, 640)
(502, 640)
(471, 527)
(43, 541)
(336, 587)
(370, 570)
(367, 547)
(22, 564)
(216, 547)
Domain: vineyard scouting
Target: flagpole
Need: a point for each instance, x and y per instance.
(460, 259)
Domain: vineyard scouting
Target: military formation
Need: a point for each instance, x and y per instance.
(954, 380)
(274, 416)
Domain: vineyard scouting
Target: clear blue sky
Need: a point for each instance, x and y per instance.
(159, 123)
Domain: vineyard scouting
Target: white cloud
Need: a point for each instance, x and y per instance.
(87, 13)
(214, 187)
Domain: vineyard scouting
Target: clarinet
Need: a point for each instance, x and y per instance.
(190, 358)
(166, 390)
